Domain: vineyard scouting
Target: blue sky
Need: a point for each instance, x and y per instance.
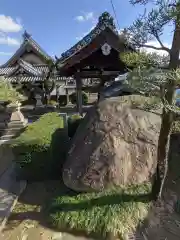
(57, 24)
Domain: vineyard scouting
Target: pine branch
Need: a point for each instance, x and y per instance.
(156, 48)
(161, 44)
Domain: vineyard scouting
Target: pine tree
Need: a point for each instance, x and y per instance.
(49, 80)
(148, 27)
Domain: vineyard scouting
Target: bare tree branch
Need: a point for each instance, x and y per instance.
(162, 45)
(153, 47)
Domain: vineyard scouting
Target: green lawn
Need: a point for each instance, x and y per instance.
(116, 211)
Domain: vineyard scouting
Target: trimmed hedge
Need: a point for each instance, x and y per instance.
(73, 98)
(73, 123)
(41, 149)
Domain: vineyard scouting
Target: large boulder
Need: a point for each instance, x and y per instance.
(115, 145)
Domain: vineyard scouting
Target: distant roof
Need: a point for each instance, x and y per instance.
(27, 41)
(32, 69)
(105, 21)
(117, 87)
(26, 78)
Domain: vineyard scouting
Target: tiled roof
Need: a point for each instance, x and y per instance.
(28, 40)
(105, 21)
(24, 79)
(34, 69)
(41, 67)
(6, 70)
(21, 79)
(29, 68)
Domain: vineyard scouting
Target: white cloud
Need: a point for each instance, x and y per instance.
(85, 33)
(156, 44)
(85, 17)
(8, 24)
(79, 18)
(5, 40)
(6, 53)
(89, 16)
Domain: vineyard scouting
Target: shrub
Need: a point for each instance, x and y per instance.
(41, 149)
(117, 211)
(73, 123)
(53, 97)
(62, 100)
(73, 98)
(8, 93)
(146, 103)
(176, 127)
(52, 103)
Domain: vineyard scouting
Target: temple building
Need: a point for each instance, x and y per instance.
(29, 66)
(96, 56)
(93, 60)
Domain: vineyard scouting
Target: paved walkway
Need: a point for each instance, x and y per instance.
(10, 189)
(28, 220)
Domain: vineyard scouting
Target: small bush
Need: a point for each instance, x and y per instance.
(62, 100)
(117, 211)
(41, 149)
(176, 127)
(52, 103)
(53, 97)
(146, 103)
(73, 123)
(73, 98)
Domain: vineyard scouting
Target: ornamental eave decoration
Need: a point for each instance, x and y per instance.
(106, 49)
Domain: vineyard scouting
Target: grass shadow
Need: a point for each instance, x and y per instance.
(114, 199)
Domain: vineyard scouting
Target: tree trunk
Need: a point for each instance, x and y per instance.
(164, 137)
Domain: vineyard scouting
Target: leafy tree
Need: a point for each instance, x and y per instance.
(8, 93)
(148, 27)
(49, 80)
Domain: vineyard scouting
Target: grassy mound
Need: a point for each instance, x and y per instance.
(40, 150)
(116, 211)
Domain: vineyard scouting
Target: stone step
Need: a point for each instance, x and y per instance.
(7, 137)
(12, 131)
(10, 190)
(16, 124)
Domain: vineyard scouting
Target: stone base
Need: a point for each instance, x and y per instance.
(17, 118)
(18, 123)
(39, 106)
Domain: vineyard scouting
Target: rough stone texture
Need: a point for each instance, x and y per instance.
(114, 145)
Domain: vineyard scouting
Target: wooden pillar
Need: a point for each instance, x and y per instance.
(79, 92)
(57, 94)
(101, 85)
(67, 95)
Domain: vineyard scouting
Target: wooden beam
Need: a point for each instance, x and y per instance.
(96, 74)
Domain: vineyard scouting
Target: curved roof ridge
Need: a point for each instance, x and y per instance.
(29, 67)
(105, 20)
(27, 39)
